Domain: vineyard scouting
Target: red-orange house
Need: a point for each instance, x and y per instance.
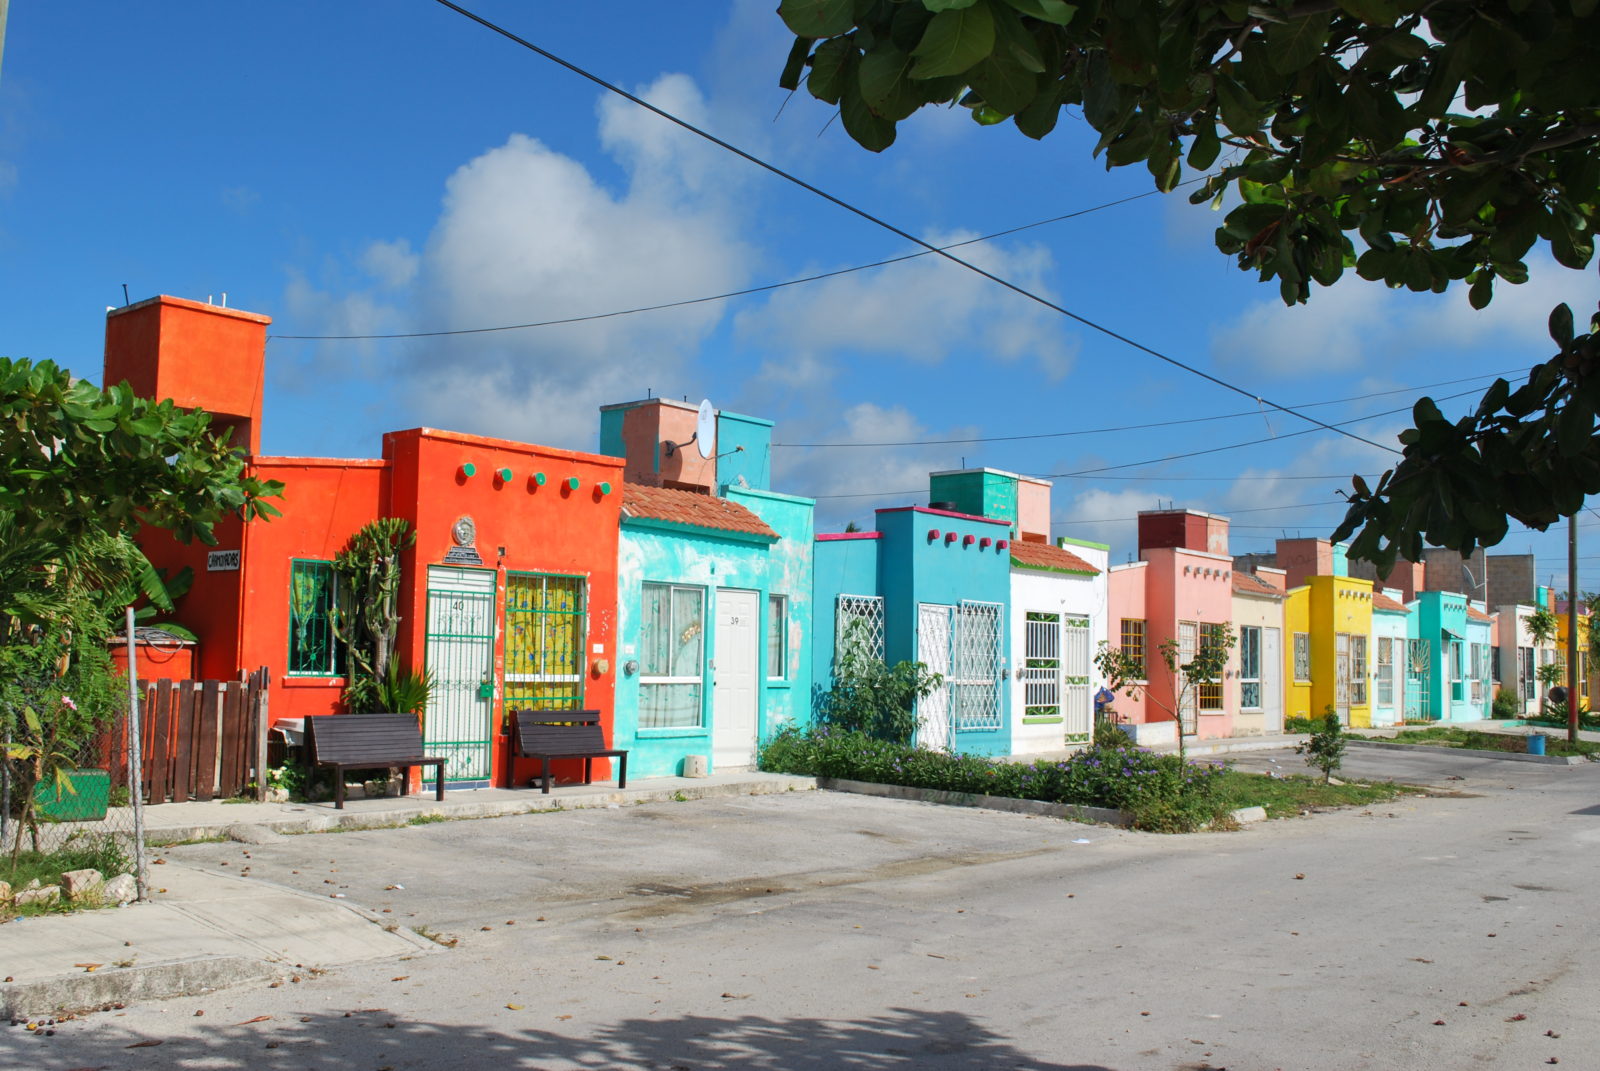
(508, 596)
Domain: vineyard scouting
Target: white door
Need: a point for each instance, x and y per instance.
(459, 653)
(1188, 709)
(933, 651)
(1341, 678)
(1271, 680)
(734, 693)
(1075, 700)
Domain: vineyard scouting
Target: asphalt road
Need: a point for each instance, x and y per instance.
(819, 931)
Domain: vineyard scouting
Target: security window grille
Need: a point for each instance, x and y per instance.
(313, 599)
(1525, 676)
(672, 657)
(1480, 670)
(1458, 671)
(1041, 673)
(858, 628)
(1188, 644)
(1302, 657)
(545, 637)
(1358, 671)
(975, 666)
(1076, 702)
(1386, 671)
(1249, 668)
(777, 637)
(1210, 691)
(1133, 641)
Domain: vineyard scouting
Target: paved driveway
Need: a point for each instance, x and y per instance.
(816, 930)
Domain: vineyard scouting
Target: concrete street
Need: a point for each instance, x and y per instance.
(819, 930)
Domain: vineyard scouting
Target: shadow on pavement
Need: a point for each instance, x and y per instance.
(372, 1038)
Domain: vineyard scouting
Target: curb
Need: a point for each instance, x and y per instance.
(396, 817)
(1513, 756)
(158, 981)
(1071, 812)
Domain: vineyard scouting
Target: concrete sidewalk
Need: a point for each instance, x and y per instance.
(201, 931)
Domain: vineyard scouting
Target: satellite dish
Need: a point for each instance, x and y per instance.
(705, 430)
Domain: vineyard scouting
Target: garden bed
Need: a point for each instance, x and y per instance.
(1499, 744)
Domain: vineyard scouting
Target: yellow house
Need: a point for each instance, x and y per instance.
(1329, 621)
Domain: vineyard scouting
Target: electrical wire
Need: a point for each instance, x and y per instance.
(892, 229)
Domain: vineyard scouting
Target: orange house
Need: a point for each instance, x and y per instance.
(508, 596)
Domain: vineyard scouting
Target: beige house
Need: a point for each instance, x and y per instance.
(1255, 666)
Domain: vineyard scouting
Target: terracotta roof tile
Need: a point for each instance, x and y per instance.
(1474, 614)
(1044, 556)
(687, 507)
(1251, 584)
(1380, 601)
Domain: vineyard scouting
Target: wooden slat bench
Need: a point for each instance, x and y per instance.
(355, 741)
(564, 734)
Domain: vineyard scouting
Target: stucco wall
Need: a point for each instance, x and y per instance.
(1267, 615)
(1047, 592)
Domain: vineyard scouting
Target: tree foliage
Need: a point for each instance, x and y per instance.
(1130, 674)
(1419, 142)
(368, 622)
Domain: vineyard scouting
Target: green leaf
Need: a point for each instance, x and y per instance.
(1292, 45)
(828, 65)
(1574, 427)
(1561, 325)
(795, 66)
(884, 82)
(1481, 292)
(1375, 12)
(1039, 118)
(869, 130)
(947, 5)
(954, 41)
(1006, 86)
(1058, 12)
(817, 18)
(1237, 108)
(1205, 147)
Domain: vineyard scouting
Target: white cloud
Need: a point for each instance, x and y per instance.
(526, 234)
(919, 311)
(1357, 324)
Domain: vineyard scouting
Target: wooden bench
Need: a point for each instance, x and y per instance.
(355, 741)
(563, 734)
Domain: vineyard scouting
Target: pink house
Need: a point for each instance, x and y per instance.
(1181, 588)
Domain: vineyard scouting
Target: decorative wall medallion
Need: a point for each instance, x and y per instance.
(464, 531)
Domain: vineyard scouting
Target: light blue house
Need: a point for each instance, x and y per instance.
(1447, 674)
(714, 590)
(927, 585)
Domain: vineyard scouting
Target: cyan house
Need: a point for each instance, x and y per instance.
(1448, 675)
(714, 596)
(932, 586)
(1390, 656)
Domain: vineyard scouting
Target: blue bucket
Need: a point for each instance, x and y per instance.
(1536, 744)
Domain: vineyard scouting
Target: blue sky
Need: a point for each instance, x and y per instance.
(370, 167)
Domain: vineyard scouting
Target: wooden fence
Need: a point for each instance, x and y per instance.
(203, 740)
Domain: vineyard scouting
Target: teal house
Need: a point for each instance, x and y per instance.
(1448, 671)
(714, 589)
(932, 585)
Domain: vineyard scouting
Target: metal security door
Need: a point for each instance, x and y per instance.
(1341, 676)
(733, 696)
(1419, 693)
(1271, 680)
(933, 651)
(1076, 703)
(545, 638)
(1188, 709)
(459, 652)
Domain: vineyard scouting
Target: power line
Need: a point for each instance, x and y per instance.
(765, 288)
(892, 229)
(1137, 427)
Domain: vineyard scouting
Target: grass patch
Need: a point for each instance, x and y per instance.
(1285, 797)
(1479, 740)
(103, 854)
(1297, 724)
(431, 818)
(155, 841)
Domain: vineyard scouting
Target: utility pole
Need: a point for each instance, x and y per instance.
(1574, 699)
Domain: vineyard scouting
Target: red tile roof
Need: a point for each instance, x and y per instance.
(1044, 556)
(687, 507)
(1380, 601)
(1251, 584)
(1474, 614)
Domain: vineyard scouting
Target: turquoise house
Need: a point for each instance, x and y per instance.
(930, 585)
(714, 591)
(1447, 673)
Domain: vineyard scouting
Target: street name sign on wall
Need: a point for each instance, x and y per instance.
(222, 561)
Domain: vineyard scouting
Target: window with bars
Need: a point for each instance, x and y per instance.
(1458, 670)
(1302, 657)
(1133, 635)
(672, 657)
(1386, 671)
(858, 628)
(975, 666)
(777, 637)
(1210, 692)
(1249, 668)
(1525, 676)
(314, 650)
(1358, 670)
(1041, 673)
(545, 635)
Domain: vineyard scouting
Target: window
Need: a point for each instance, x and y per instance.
(313, 598)
(1133, 641)
(975, 666)
(1249, 668)
(672, 663)
(777, 637)
(1525, 672)
(1386, 671)
(1042, 666)
(1358, 671)
(545, 633)
(1302, 657)
(1210, 692)
(1458, 671)
(858, 628)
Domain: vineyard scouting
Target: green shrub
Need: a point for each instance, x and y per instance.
(1325, 749)
(1161, 793)
(879, 700)
(1504, 706)
(1297, 724)
(1110, 734)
